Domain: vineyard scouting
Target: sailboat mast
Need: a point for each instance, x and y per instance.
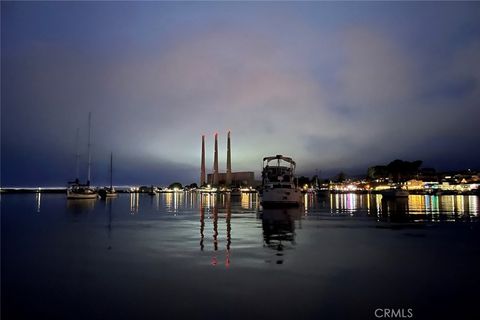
(111, 170)
(77, 157)
(89, 145)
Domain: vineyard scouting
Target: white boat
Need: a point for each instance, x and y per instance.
(76, 190)
(79, 191)
(278, 187)
(107, 193)
(395, 193)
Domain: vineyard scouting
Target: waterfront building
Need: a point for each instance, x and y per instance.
(242, 178)
(228, 178)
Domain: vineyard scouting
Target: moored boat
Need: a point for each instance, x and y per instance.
(152, 191)
(278, 187)
(76, 190)
(79, 191)
(109, 192)
(395, 193)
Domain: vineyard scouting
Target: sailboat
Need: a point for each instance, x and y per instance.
(109, 192)
(77, 190)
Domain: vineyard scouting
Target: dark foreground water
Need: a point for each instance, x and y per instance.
(186, 256)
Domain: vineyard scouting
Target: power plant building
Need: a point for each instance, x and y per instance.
(229, 178)
(243, 178)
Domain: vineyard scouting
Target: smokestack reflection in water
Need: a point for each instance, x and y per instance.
(211, 203)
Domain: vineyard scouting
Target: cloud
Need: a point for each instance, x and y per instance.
(466, 68)
(377, 72)
(220, 80)
(343, 95)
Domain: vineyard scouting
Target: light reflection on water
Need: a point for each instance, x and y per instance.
(375, 204)
(334, 204)
(222, 247)
(215, 213)
(134, 201)
(39, 200)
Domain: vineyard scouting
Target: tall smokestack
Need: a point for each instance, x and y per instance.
(202, 169)
(215, 162)
(89, 151)
(228, 179)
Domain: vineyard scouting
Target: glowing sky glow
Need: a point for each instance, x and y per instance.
(336, 86)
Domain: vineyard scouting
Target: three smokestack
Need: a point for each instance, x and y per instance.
(228, 179)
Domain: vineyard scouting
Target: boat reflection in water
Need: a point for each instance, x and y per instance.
(107, 207)
(279, 229)
(395, 209)
(278, 225)
(81, 205)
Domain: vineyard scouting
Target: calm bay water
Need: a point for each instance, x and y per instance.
(179, 256)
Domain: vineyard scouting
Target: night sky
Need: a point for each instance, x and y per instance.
(336, 86)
